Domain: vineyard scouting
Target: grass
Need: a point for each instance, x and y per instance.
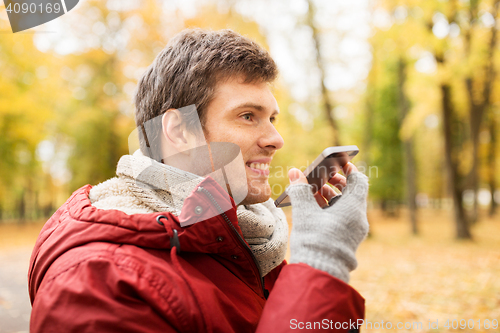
(404, 278)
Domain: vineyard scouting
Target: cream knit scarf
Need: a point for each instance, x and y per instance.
(145, 186)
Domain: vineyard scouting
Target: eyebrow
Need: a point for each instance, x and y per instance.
(254, 106)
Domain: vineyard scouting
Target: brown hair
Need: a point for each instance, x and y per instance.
(186, 72)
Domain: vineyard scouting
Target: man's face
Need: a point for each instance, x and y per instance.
(243, 113)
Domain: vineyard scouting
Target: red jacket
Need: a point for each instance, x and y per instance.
(96, 270)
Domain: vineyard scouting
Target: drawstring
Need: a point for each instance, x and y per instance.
(172, 233)
(174, 242)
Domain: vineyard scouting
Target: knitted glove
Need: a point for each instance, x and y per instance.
(327, 238)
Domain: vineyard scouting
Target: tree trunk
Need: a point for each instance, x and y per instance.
(475, 126)
(453, 131)
(477, 109)
(411, 186)
(492, 162)
(326, 100)
(455, 181)
(21, 208)
(411, 191)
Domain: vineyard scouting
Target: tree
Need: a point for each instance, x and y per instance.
(492, 160)
(479, 100)
(409, 158)
(479, 105)
(462, 47)
(326, 101)
(386, 146)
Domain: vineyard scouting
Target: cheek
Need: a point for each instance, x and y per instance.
(237, 135)
(220, 132)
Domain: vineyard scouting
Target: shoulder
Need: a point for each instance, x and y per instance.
(120, 263)
(108, 287)
(113, 275)
(114, 193)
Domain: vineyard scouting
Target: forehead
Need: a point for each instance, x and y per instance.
(234, 93)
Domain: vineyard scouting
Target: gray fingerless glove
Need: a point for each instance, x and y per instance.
(327, 238)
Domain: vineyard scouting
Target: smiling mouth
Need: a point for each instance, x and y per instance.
(259, 168)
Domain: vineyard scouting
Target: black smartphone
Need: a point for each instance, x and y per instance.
(323, 168)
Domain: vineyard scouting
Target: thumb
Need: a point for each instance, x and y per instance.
(299, 191)
(296, 177)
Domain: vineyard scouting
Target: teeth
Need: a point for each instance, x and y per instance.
(260, 166)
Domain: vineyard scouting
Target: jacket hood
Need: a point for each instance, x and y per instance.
(77, 223)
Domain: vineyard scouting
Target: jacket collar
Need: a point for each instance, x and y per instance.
(78, 223)
(160, 186)
(206, 224)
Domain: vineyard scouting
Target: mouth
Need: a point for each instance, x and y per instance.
(259, 167)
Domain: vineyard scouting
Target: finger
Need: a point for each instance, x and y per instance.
(338, 181)
(320, 199)
(296, 177)
(327, 192)
(349, 168)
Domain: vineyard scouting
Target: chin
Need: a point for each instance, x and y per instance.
(257, 194)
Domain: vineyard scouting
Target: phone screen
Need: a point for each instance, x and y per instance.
(323, 168)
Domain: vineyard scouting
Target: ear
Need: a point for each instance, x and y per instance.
(175, 133)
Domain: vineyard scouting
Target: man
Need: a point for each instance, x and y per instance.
(162, 249)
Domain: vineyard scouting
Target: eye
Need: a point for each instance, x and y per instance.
(273, 120)
(247, 116)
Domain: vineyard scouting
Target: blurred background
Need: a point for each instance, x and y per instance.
(414, 84)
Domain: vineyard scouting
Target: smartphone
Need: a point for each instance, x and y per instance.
(322, 169)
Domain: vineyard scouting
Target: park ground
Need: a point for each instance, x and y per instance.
(431, 277)
(405, 279)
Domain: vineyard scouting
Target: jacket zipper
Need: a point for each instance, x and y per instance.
(242, 241)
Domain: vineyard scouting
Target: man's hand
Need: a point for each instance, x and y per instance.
(326, 193)
(326, 237)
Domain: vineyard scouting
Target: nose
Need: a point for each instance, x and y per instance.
(270, 138)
